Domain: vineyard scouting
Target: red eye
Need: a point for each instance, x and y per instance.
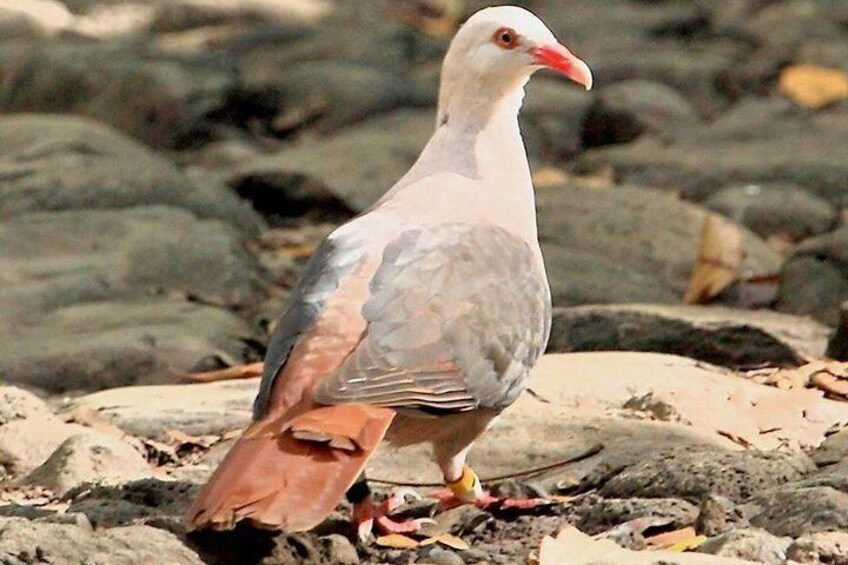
(506, 38)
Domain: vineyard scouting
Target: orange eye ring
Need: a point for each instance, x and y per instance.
(506, 38)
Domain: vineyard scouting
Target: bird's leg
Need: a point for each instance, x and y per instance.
(370, 516)
(467, 489)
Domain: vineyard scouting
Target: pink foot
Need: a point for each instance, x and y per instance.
(370, 517)
(447, 500)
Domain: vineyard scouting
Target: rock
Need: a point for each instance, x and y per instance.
(112, 513)
(838, 346)
(164, 101)
(53, 163)
(24, 541)
(625, 110)
(334, 94)
(813, 280)
(833, 450)
(822, 547)
(457, 521)
(26, 444)
(717, 515)
(767, 147)
(368, 159)
(18, 404)
(552, 120)
(435, 555)
(339, 550)
(610, 512)
(195, 409)
(123, 342)
(775, 209)
(722, 336)
(694, 473)
(752, 544)
(794, 511)
(626, 244)
(89, 458)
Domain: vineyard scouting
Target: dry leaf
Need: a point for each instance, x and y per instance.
(720, 256)
(549, 176)
(397, 541)
(449, 540)
(812, 86)
(248, 371)
(680, 540)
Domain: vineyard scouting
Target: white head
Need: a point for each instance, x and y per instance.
(494, 54)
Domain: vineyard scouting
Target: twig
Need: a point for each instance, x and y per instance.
(590, 452)
(230, 373)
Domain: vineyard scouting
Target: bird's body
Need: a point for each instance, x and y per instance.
(419, 320)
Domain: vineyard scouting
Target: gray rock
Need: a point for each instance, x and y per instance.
(338, 549)
(815, 279)
(89, 458)
(436, 555)
(112, 513)
(752, 544)
(26, 444)
(367, 159)
(552, 120)
(691, 474)
(334, 94)
(610, 512)
(24, 541)
(837, 348)
(775, 209)
(833, 450)
(120, 343)
(717, 514)
(163, 101)
(625, 110)
(196, 409)
(771, 146)
(722, 336)
(794, 511)
(626, 244)
(822, 547)
(52, 163)
(19, 404)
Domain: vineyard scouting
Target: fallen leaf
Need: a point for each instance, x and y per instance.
(248, 371)
(830, 383)
(397, 541)
(448, 540)
(680, 540)
(720, 256)
(813, 86)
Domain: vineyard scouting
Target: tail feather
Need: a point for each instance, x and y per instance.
(278, 481)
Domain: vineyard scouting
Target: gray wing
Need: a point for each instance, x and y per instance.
(457, 316)
(326, 268)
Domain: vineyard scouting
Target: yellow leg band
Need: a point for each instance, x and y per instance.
(468, 487)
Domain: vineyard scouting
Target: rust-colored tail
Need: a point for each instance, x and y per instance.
(290, 474)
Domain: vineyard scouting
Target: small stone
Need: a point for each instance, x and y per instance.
(337, 549)
(751, 544)
(812, 286)
(19, 404)
(610, 512)
(833, 450)
(26, 444)
(717, 515)
(838, 346)
(89, 458)
(435, 555)
(821, 547)
(457, 521)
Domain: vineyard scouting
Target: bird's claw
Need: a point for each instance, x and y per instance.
(371, 517)
(448, 500)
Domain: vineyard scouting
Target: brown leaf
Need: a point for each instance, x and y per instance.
(812, 86)
(666, 539)
(720, 256)
(248, 371)
(830, 383)
(397, 541)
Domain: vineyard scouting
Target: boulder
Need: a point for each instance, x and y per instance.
(26, 541)
(722, 336)
(626, 244)
(89, 458)
(821, 547)
(26, 444)
(794, 511)
(53, 163)
(752, 544)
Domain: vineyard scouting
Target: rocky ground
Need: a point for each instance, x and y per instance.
(168, 166)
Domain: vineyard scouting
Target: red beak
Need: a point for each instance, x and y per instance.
(560, 59)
